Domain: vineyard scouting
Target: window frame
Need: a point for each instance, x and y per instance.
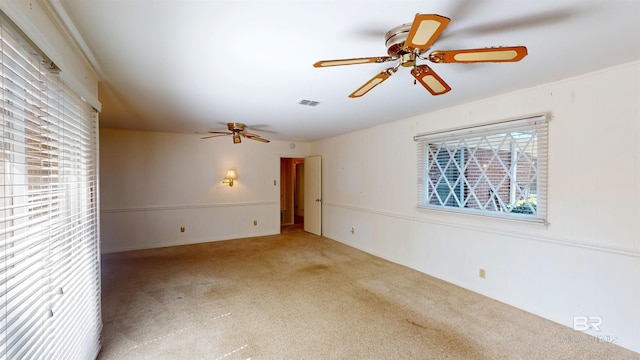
(521, 184)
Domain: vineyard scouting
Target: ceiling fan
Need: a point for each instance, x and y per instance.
(408, 42)
(237, 130)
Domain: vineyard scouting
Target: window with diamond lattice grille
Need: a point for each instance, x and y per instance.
(497, 169)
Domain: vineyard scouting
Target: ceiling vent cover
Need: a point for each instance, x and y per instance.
(308, 102)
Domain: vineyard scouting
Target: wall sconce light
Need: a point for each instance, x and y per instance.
(231, 175)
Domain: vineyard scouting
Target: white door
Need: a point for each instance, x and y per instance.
(313, 195)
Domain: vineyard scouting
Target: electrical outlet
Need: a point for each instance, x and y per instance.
(483, 274)
(353, 231)
(181, 228)
(255, 222)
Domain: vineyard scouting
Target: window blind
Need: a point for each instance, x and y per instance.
(497, 169)
(49, 244)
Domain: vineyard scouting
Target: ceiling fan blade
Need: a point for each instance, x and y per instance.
(216, 135)
(259, 139)
(430, 80)
(376, 80)
(254, 137)
(260, 127)
(219, 132)
(496, 54)
(426, 28)
(354, 61)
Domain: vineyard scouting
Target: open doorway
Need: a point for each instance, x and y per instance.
(291, 193)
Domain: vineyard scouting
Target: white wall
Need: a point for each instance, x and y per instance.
(585, 262)
(154, 183)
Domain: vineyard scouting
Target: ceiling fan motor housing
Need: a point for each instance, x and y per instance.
(236, 126)
(394, 41)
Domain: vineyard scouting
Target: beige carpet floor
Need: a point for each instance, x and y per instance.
(300, 296)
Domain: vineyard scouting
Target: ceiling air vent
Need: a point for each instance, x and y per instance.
(308, 102)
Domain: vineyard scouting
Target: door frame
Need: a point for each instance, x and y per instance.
(287, 188)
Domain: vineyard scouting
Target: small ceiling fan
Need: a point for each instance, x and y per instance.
(408, 42)
(237, 130)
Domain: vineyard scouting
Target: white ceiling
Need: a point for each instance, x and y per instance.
(191, 66)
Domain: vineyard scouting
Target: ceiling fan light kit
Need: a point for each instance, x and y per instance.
(407, 42)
